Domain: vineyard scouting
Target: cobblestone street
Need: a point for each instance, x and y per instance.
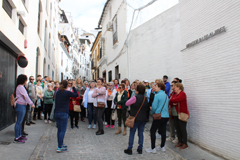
(84, 144)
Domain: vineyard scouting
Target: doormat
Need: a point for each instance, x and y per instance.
(4, 143)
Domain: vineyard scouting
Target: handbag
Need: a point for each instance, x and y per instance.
(183, 116)
(100, 104)
(76, 108)
(131, 120)
(114, 115)
(158, 116)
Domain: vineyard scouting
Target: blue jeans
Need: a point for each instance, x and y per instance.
(21, 110)
(62, 121)
(140, 126)
(91, 113)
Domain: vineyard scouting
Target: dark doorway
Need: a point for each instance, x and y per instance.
(7, 85)
(117, 72)
(109, 76)
(104, 75)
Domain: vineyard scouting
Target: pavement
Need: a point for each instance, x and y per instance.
(85, 145)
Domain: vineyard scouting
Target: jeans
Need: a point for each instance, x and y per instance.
(108, 113)
(181, 130)
(140, 126)
(47, 111)
(121, 114)
(99, 112)
(21, 111)
(83, 109)
(91, 113)
(62, 121)
(156, 124)
(74, 115)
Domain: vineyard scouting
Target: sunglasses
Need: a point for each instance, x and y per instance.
(119, 87)
(31, 79)
(171, 85)
(69, 83)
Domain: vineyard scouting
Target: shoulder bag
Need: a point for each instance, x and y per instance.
(183, 116)
(131, 120)
(114, 115)
(158, 116)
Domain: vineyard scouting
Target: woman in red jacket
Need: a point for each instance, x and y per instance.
(180, 101)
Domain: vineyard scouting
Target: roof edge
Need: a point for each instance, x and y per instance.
(100, 20)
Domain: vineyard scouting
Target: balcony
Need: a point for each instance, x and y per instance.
(94, 64)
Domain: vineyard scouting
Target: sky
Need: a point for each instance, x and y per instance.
(85, 13)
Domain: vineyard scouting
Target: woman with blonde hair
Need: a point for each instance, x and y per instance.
(158, 81)
(81, 89)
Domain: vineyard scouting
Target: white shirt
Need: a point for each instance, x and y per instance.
(90, 98)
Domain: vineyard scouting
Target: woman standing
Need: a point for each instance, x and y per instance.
(88, 101)
(62, 98)
(116, 83)
(132, 91)
(179, 99)
(120, 100)
(159, 105)
(136, 102)
(81, 89)
(48, 101)
(39, 105)
(128, 85)
(110, 104)
(100, 94)
(21, 101)
(86, 85)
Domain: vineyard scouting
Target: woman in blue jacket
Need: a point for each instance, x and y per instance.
(159, 105)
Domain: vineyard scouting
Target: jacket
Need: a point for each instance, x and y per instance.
(158, 104)
(31, 91)
(85, 98)
(81, 90)
(74, 101)
(100, 94)
(123, 101)
(48, 97)
(181, 99)
(168, 87)
(136, 102)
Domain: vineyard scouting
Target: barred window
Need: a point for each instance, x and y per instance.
(7, 7)
(21, 27)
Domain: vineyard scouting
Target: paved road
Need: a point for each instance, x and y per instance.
(85, 145)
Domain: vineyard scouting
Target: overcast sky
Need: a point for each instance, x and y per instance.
(86, 13)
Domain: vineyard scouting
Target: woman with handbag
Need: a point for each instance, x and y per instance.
(110, 104)
(81, 89)
(120, 100)
(160, 117)
(88, 101)
(180, 101)
(100, 94)
(139, 106)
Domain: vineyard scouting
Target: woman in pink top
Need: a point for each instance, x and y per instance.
(21, 101)
(100, 94)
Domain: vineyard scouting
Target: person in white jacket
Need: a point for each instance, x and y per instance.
(111, 93)
(39, 104)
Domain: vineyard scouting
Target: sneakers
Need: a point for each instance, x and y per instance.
(89, 126)
(23, 138)
(18, 140)
(150, 150)
(50, 122)
(169, 139)
(64, 146)
(45, 121)
(163, 149)
(175, 140)
(107, 126)
(59, 150)
(112, 126)
(94, 126)
(158, 135)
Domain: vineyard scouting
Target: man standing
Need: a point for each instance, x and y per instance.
(167, 84)
(32, 94)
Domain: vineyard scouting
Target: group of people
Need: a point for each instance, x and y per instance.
(102, 101)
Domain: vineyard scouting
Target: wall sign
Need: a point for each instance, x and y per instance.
(206, 37)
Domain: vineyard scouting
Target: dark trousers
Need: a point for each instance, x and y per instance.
(37, 111)
(25, 118)
(99, 112)
(156, 124)
(181, 130)
(121, 113)
(47, 111)
(74, 115)
(108, 113)
(83, 110)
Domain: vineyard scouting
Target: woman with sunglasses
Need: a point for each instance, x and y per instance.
(100, 94)
(120, 100)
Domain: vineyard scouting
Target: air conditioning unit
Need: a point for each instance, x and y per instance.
(109, 26)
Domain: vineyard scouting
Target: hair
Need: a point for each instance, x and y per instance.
(21, 79)
(180, 85)
(123, 81)
(101, 79)
(141, 89)
(162, 86)
(174, 82)
(111, 83)
(39, 80)
(39, 75)
(128, 81)
(86, 82)
(91, 82)
(56, 82)
(178, 80)
(165, 76)
(69, 80)
(116, 80)
(122, 85)
(30, 78)
(45, 77)
(63, 86)
(160, 80)
(81, 82)
(49, 84)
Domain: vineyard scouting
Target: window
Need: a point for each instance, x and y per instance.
(61, 76)
(109, 76)
(62, 59)
(50, 14)
(39, 17)
(117, 72)
(101, 53)
(115, 35)
(21, 27)
(49, 45)
(52, 74)
(45, 39)
(7, 7)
